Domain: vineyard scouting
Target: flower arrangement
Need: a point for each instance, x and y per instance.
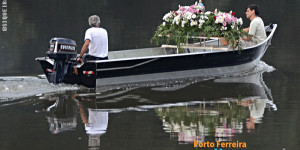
(189, 21)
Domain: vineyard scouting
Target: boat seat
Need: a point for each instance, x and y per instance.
(115, 55)
(137, 53)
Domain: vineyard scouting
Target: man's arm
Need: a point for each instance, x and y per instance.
(84, 118)
(83, 49)
(248, 38)
(247, 29)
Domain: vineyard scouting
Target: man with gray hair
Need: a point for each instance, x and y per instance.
(96, 40)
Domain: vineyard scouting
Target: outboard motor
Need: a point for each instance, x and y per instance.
(63, 52)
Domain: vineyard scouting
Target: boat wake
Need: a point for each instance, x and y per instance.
(17, 87)
(260, 67)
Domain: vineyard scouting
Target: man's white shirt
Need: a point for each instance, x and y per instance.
(257, 30)
(98, 37)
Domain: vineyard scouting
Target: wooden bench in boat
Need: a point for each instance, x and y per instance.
(212, 43)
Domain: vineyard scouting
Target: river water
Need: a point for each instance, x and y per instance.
(259, 108)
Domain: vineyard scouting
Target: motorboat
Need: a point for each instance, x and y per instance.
(150, 64)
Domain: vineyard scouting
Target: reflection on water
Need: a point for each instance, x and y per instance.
(62, 114)
(95, 121)
(188, 112)
(218, 119)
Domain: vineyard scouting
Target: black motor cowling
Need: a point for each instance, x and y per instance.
(62, 48)
(63, 52)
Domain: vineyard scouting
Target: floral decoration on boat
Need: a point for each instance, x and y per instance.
(193, 21)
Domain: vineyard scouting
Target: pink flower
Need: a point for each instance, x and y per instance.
(234, 19)
(190, 9)
(227, 19)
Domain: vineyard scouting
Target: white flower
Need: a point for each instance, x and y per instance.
(183, 23)
(176, 20)
(200, 26)
(164, 23)
(201, 21)
(207, 13)
(194, 16)
(167, 17)
(240, 21)
(219, 19)
(193, 23)
(188, 15)
(229, 16)
(223, 28)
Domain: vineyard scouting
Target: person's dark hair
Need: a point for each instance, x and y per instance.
(254, 7)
